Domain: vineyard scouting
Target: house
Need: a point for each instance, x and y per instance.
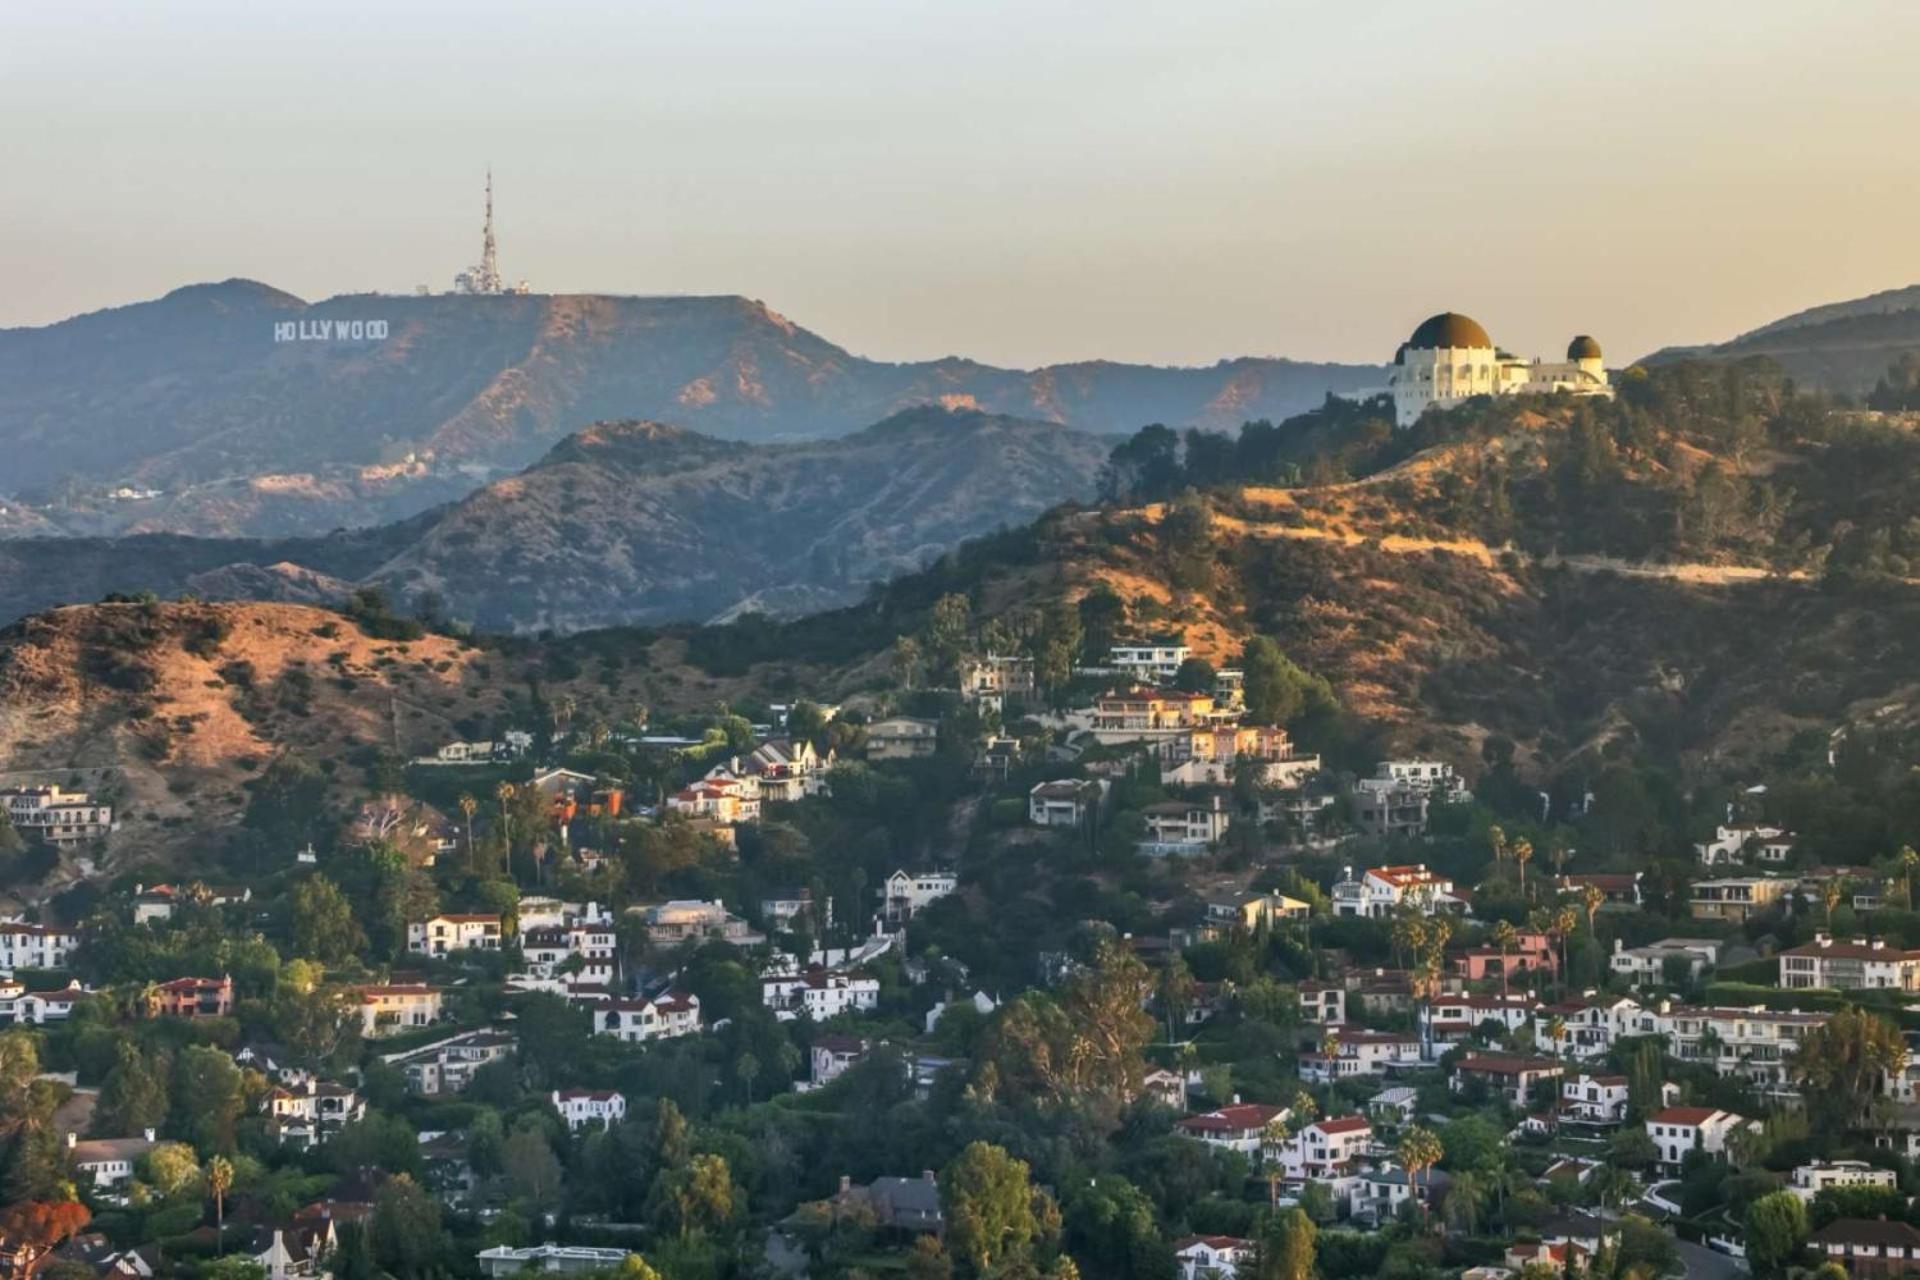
(1434, 779)
(602, 1108)
(502, 1260)
(1383, 1188)
(1810, 1179)
(1869, 1247)
(1678, 1130)
(191, 998)
(896, 1204)
(1737, 898)
(297, 1251)
(1753, 1043)
(418, 830)
(1240, 1127)
(448, 1066)
(996, 682)
(1652, 964)
(902, 738)
(1322, 1002)
(1379, 890)
(1253, 911)
(1446, 1020)
(1168, 1088)
(1395, 1106)
(1622, 889)
(1360, 1053)
(584, 952)
(1065, 802)
(445, 934)
(1327, 1151)
(670, 1014)
(1849, 966)
(38, 1007)
(35, 946)
(1732, 846)
(781, 908)
(1153, 661)
(1211, 1257)
(832, 1056)
(819, 994)
(1594, 1100)
(1213, 755)
(1532, 951)
(1382, 807)
(1134, 712)
(904, 896)
(308, 1114)
(1182, 827)
(723, 800)
(1539, 1255)
(393, 1009)
(1510, 1076)
(787, 769)
(690, 919)
(105, 1163)
(59, 817)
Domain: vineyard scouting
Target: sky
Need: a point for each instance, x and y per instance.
(1021, 182)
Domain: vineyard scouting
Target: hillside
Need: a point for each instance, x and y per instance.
(629, 522)
(191, 395)
(1840, 347)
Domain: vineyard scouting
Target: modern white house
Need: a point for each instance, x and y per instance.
(1810, 1179)
(1860, 965)
(670, 1014)
(445, 934)
(1678, 1130)
(906, 894)
(582, 1107)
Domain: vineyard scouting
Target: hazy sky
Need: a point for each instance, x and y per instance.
(1021, 182)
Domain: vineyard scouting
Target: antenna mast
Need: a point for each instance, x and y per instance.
(489, 281)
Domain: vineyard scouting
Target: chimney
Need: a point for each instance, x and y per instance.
(148, 1134)
(1619, 945)
(846, 1183)
(72, 1138)
(928, 1176)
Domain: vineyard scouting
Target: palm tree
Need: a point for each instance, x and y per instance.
(1909, 859)
(1556, 1032)
(1593, 897)
(1830, 894)
(1505, 937)
(1565, 920)
(1497, 841)
(1277, 1131)
(468, 807)
(1522, 855)
(219, 1182)
(1419, 1151)
(1466, 1195)
(505, 793)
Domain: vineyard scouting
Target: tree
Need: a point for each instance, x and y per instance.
(994, 1214)
(133, 1097)
(1776, 1228)
(532, 1170)
(1522, 854)
(1830, 894)
(324, 927)
(1196, 675)
(406, 1232)
(219, 1182)
(699, 1195)
(1176, 993)
(1840, 1064)
(1506, 938)
(36, 1228)
(468, 807)
(207, 1097)
(1286, 1248)
(1909, 860)
(1087, 1044)
(172, 1169)
(928, 1260)
(1592, 897)
(1278, 692)
(1419, 1151)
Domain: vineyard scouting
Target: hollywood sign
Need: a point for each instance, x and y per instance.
(329, 330)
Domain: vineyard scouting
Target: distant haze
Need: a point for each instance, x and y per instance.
(1022, 181)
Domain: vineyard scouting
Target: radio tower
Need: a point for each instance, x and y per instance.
(489, 281)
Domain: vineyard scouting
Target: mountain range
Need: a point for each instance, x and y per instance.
(237, 409)
(628, 522)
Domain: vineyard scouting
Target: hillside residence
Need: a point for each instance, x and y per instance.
(1859, 965)
(725, 800)
(502, 1260)
(1434, 779)
(191, 998)
(685, 919)
(57, 816)
(445, 934)
(1377, 891)
(35, 946)
(1210, 757)
(1678, 1130)
(390, 1010)
(602, 1108)
(1594, 1100)
(1155, 661)
(1382, 807)
(1869, 1248)
(160, 901)
(448, 1066)
(585, 952)
(1735, 899)
(511, 746)
(666, 1016)
(1447, 1019)
(1360, 1053)
(1511, 1077)
(994, 682)
(105, 1163)
(1622, 889)
(1252, 911)
(1241, 1127)
(1211, 1257)
(1810, 1179)
(1449, 360)
(1736, 846)
(308, 1114)
(902, 738)
(819, 994)
(1066, 802)
(1324, 1003)
(832, 1056)
(1183, 828)
(1652, 963)
(1326, 1150)
(781, 908)
(1133, 712)
(897, 1204)
(1531, 951)
(905, 895)
(418, 830)
(34, 1008)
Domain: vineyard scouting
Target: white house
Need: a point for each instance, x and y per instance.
(1434, 779)
(1734, 845)
(1211, 1257)
(396, 1008)
(902, 738)
(1154, 661)
(832, 1056)
(1594, 1100)
(107, 1162)
(56, 816)
(1184, 827)
(35, 946)
(583, 1107)
(1065, 802)
(1377, 891)
(670, 1014)
(905, 895)
(445, 934)
(1677, 1130)
(1241, 1127)
(1810, 1179)
(1360, 1053)
(819, 993)
(1859, 965)
(1328, 1150)
(1648, 964)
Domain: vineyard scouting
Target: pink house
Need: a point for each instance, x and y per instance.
(1532, 951)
